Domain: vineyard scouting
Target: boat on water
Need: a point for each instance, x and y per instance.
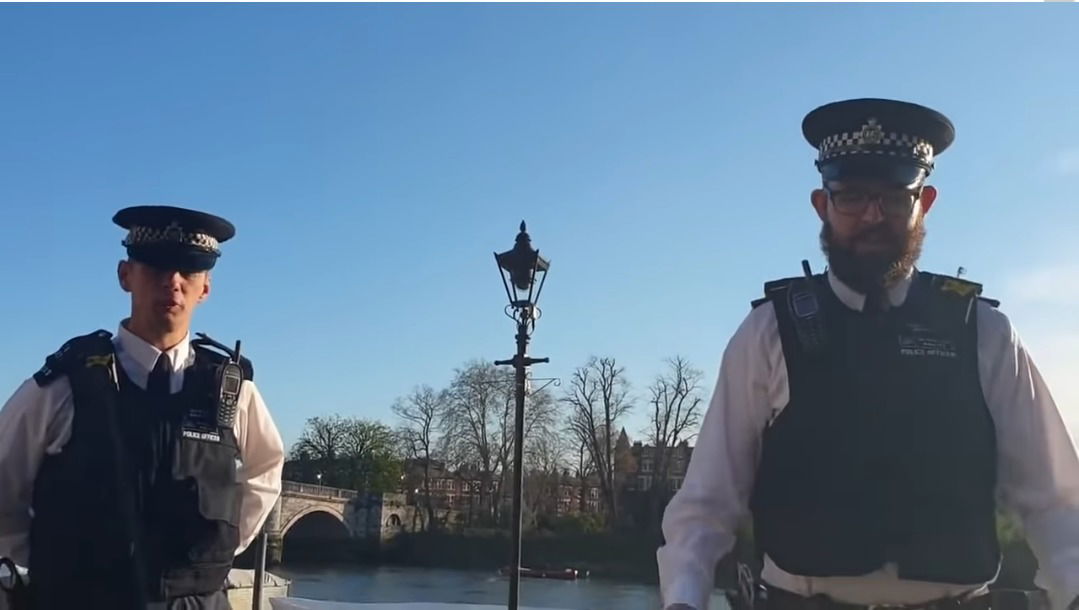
(563, 574)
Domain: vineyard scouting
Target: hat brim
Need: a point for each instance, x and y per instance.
(173, 258)
(162, 215)
(878, 169)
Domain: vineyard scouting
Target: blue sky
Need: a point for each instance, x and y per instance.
(373, 156)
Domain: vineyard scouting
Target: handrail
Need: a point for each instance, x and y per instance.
(321, 491)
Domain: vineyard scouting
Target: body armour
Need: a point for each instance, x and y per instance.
(143, 503)
(886, 451)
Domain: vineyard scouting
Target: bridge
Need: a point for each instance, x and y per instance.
(313, 515)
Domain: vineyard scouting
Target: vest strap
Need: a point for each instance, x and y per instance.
(799, 309)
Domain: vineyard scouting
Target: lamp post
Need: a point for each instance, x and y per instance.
(260, 568)
(520, 267)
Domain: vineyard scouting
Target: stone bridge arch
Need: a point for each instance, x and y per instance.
(317, 504)
(300, 513)
(370, 519)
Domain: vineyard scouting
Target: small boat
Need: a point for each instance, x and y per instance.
(563, 574)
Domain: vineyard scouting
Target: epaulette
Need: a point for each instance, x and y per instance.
(86, 350)
(219, 352)
(772, 287)
(953, 285)
(958, 287)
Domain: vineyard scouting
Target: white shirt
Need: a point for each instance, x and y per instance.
(36, 421)
(1038, 473)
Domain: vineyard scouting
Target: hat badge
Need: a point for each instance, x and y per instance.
(174, 232)
(871, 133)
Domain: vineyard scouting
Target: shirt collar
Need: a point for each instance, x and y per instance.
(145, 356)
(897, 293)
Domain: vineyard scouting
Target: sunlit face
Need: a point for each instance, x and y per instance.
(872, 232)
(163, 299)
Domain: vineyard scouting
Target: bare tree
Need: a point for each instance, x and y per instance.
(364, 438)
(545, 449)
(478, 424)
(474, 422)
(598, 397)
(323, 438)
(541, 452)
(582, 470)
(545, 461)
(322, 441)
(420, 413)
(504, 427)
(676, 412)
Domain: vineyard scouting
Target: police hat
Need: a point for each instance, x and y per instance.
(877, 139)
(173, 238)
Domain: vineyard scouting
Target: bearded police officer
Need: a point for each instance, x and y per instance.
(134, 467)
(869, 418)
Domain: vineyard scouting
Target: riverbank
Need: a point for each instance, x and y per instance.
(400, 584)
(621, 556)
(628, 557)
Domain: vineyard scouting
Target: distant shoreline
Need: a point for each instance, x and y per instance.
(611, 556)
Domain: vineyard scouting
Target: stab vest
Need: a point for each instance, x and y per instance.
(886, 451)
(143, 503)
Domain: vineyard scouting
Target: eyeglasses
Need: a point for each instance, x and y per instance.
(893, 202)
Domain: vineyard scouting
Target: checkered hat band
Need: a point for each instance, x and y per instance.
(890, 143)
(153, 236)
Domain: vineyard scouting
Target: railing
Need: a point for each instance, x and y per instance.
(321, 491)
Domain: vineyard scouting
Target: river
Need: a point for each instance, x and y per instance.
(405, 584)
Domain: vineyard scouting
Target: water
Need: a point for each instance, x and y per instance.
(404, 584)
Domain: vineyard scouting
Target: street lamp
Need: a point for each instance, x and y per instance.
(319, 477)
(520, 267)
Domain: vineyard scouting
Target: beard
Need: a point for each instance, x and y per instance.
(867, 272)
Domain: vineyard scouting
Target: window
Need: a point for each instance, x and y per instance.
(646, 465)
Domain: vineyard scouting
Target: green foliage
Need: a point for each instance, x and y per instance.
(588, 523)
(351, 453)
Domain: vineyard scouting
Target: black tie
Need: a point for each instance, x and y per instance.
(158, 383)
(876, 301)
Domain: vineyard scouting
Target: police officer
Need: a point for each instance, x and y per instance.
(868, 419)
(135, 466)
